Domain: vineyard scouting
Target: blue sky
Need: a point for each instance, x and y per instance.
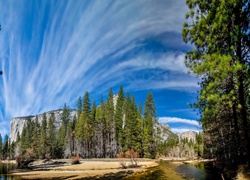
(51, 52)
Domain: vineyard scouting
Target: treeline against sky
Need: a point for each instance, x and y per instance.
(112, 127)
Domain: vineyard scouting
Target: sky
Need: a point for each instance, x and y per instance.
(52, 52)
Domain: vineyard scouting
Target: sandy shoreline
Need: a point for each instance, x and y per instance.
(185, 160)
(8, 161)
(88, 169)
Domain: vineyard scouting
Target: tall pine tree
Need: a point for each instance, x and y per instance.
(111, 125)
(83, 126)
(43, 137)
(119, 116)
(36, 138)
(1, 147)
(52, 135)
(219, 31)
(149, 121)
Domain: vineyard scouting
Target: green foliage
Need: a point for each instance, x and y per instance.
(1, 147)
(83, 124)
(36, 138)
(149, 121)
(52, 135)
(219, 31)
(199, 144)
(79, 106)
(63, 130)
(119, 112)
(99, 131)
(6, 147)
(93, 113)
(43, 137)
(23, 140)
(132, 125)
(109, 115)
(100, 112)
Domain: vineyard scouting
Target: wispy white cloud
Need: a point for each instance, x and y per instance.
(3, 128)
(178, 120)
(179, 125)
(53, 51)
(169, 61)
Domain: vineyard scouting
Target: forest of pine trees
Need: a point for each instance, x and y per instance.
(115, 125)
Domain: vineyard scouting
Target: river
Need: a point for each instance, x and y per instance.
(199, 171)
(165, 170)
(4, 169)
(179, 171)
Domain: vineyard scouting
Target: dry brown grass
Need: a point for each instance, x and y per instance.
(87, 169)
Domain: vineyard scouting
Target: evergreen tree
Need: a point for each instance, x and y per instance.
(135, 126)
(44, 137)
(150, 120)
(29, 129)
(65, 118)
(52, 135)
(140, 130)
(119, 112)
(219, 30)
(87, 130)
(92, 124)
(36, 138)
(132, 125)
(100, 130)
(110, 125)
(199, 144)
(24, 140)
(71, 136)
(6, 147)
(63, 130)
(12, 150)
(127, 124)
(79, 107)
(83, 125)
(93, 113)
(1, 147)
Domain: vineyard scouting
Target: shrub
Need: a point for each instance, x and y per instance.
(122, 161)
(133, 156)
(75, 160)
(129, 154)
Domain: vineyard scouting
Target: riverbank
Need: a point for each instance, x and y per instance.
(8, 161)
(88, 169)
(185, 160)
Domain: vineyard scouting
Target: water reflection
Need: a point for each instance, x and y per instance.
(4, 169)
(199, 171)
(190, 171)
(166, 170)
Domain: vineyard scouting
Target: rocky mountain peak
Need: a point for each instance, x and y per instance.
(187, 134)
(18, 123)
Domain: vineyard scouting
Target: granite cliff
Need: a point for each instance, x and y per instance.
(17, 124)
(190, 135)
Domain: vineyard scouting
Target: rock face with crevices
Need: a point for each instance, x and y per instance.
(190, 135)
(17, 124)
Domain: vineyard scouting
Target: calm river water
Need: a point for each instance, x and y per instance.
(201, 171)
(4, 169)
